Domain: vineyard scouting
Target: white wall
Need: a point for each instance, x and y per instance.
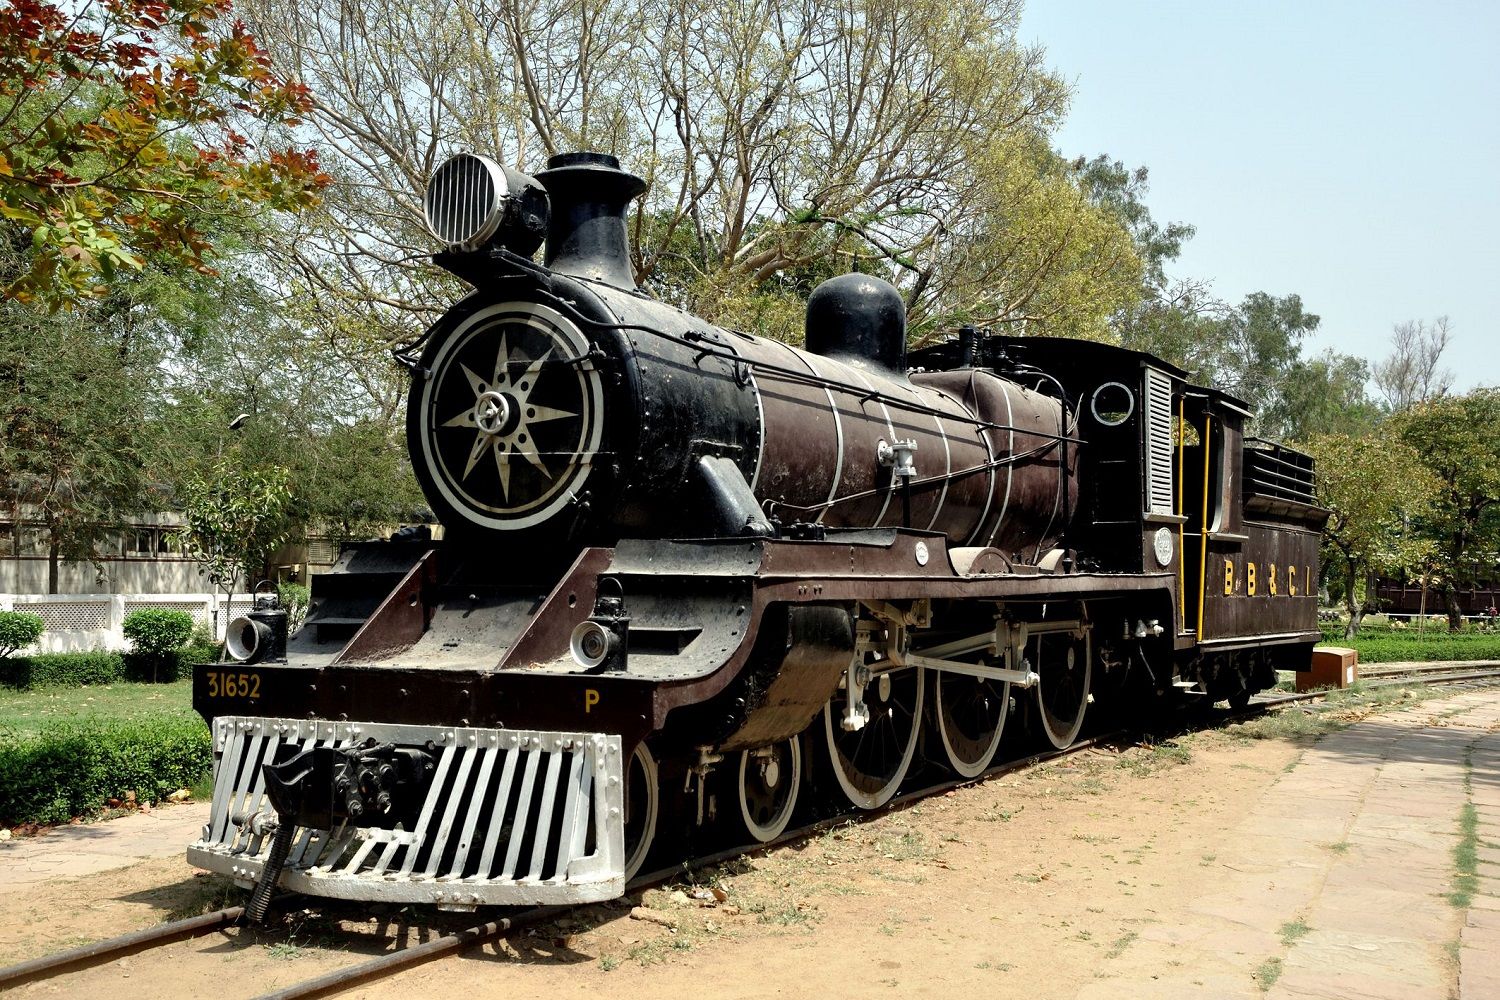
(80, 622)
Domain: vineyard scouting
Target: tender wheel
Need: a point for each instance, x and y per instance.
(769, 780)
(970, 718)
(1239, 699)
(870, 762)
(642, 799)
(1063, 662)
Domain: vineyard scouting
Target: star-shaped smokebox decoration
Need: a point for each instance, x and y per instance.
(503, 415)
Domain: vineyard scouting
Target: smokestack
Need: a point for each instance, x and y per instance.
(586, 233)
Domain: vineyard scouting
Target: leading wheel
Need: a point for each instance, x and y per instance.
(642, 799)
(1062, 661)
(870, 762)
(971, 715)
(769, 780)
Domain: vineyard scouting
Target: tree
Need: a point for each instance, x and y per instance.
(908, 139)
(1261, 344)
(1376, 489)
(319, 412)
(1411, 373)
(73, 408)
(1458, 441)
(121, 132)
(235, 518)
(1324, 394)
(19, 629)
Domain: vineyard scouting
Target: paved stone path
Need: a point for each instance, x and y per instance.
(87, 848)
(1338, 882)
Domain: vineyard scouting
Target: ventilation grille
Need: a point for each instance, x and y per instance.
(507, 813)
(1158, 442)
(463, 200)
(1273, 470)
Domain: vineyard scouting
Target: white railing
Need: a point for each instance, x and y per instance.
(78, 622)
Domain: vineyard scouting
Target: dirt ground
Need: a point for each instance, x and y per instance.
(1027, 885)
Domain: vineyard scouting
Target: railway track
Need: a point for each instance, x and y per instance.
(503, 926)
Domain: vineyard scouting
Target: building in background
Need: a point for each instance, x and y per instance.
(142, 557)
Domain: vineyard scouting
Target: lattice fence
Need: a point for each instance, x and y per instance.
(73, 616)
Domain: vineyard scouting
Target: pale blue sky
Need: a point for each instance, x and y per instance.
(1349, 152)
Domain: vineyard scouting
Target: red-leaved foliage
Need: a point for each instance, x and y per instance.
(126, 127)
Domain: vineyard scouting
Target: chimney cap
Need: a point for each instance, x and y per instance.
(581, 159)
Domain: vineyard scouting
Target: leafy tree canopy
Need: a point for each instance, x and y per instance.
(1377, 491)
(120, 131)
(1458, 440)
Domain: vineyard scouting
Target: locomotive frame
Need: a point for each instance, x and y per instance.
(692, 557)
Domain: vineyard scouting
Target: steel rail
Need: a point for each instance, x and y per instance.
(1389, 680)
(125, 944)
(342, 979)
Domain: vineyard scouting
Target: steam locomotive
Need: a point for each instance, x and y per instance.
(685, 572)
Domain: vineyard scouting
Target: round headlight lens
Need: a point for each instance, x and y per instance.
(465, 200)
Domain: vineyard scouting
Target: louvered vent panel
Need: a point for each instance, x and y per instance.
(1158, 442)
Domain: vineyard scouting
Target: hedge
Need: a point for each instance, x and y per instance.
(79, 669)
(72, 769)
(61, 670)
(1379, 643)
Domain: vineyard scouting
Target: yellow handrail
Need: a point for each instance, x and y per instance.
(1208, 424)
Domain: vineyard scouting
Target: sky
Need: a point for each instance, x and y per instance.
(1347, 152)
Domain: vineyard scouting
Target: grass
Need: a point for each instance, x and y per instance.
(1292, 930)
(1149, 759)
(1334, 712)
(908, 844)
(26, 712)
(997, 814)
(1266, 973)
(1466, 851)
(1121, 943)
(1381, 642)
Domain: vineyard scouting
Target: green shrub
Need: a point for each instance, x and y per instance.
(196, 652)
(61, 669)
(157, 630)
(294, 598)
(71, 769)
(156, 634)
(19, 629)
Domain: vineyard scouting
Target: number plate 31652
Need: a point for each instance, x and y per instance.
(233, 684)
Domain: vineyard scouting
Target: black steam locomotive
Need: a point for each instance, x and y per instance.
(685, 572)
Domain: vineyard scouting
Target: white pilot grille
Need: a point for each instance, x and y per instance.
(510, 817)
(1158, 442)
(463, 200)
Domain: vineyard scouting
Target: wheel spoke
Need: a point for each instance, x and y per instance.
(642, 796)
(766, 809)
(869, 765)
(970, 718)
(1062, 696)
